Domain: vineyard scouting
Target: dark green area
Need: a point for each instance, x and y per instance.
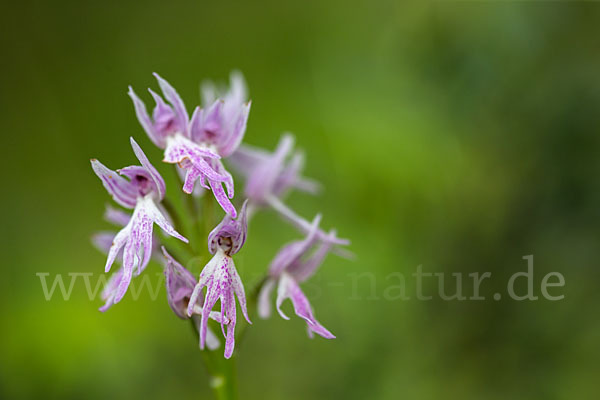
(460, 136)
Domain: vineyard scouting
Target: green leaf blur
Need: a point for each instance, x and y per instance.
(456, 135)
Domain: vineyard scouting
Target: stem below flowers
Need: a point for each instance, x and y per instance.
(221, 371)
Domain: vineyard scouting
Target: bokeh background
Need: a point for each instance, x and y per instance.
(460, 136)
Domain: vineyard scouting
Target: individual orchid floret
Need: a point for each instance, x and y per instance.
(180, 286)
(196, 145)
(104, 240)
(290, 267)
(221, 279)
(222, 120)
(271, 175)
(140, 188)
(221, 125)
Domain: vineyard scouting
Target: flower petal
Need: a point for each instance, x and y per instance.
(230, 339)
(117, 244)
(172, 97)
(222, 198)
(304, 269)
(264, 298)
(180, 284)
(145, 121)
(158, 180)
(116, 216)
(288, 288)
(103, 241)
(160, 220)
(121, 190)
(237, 131)
(238, 289)
(108, 292)
(294, 250)
(261, 182)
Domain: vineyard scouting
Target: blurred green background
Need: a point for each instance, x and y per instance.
(460, 136)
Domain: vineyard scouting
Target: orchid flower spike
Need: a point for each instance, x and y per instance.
(221, 279)
(290, 267)
(197, 145)
(140, 188)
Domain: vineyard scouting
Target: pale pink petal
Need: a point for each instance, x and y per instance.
(160, 219)
(180, 284)
(103, 240)
(294, 250)
(116, 216)
(145, 121)
(109, 290)
(304, 269)
(172, 97)
(121, 190)
(288, 288)
(158, 180)
(238, 289)
(264, 298)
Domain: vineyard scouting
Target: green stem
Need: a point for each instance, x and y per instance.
(221, 371)
(174, 215)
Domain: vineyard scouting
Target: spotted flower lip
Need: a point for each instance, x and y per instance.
(222, 280)
(290, 267)
(103, 242)
(142, 188)
(197, 144)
